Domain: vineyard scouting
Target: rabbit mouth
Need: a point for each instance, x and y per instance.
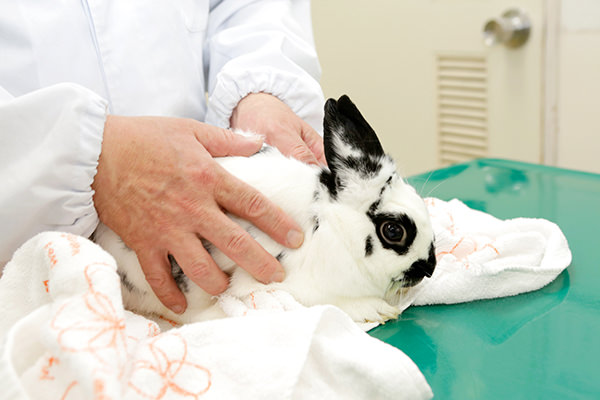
(408, 282)
(401, 286)
(404, 281)
(397, 289)
(419, 270)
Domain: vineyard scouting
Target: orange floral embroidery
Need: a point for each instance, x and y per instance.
(73, 242)
(170, 321)
(68, 389)
(166, 368)
(101, 332)
(466, 246)
(45, 373)
(463, 252)
(457, 251)
(99, 393)
(51, 254)
(153, 329)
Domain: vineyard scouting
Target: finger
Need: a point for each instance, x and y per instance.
(242, 200)
(314, 141)
(240, 246)
(221, 142)
(300, 151)
(293, 145)
(157, 270)
(199, 266)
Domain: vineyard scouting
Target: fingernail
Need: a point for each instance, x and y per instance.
(278, 276)
(295, 238)
(177, 309)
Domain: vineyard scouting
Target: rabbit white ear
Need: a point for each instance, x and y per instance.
(351, 145)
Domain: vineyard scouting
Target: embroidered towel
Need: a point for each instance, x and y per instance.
(482, 257)
(64, 334)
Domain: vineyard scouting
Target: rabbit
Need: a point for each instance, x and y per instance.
(368, 235)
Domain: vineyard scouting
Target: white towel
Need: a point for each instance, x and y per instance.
(65, 335)
(482, 257)
(64, 332)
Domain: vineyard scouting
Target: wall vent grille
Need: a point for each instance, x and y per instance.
(462, 107)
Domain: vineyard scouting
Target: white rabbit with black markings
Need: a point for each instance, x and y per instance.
(367, 232)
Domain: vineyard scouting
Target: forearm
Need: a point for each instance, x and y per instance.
(49, 146)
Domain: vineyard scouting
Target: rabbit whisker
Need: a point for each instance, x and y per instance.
(425, 183)
(436, 186)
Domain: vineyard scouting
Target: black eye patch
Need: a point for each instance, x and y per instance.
(395, 231)
(368, 246)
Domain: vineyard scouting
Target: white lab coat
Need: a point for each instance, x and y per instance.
(65, 64)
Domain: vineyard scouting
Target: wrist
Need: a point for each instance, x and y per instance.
(105, 170)
(249, 109)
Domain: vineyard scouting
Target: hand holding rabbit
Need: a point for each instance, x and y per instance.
(160, 188)
(267, 115)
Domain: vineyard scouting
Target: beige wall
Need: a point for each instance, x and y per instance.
(364, 51)
(578, 144)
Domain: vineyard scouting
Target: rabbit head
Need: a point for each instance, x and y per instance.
(376, 223)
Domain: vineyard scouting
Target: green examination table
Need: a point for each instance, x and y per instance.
(539, 345)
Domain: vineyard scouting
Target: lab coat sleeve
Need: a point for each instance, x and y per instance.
(262, 46)
(50, 141)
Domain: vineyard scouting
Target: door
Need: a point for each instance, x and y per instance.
(423, 77)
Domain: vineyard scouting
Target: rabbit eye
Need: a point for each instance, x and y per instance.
(393, 233)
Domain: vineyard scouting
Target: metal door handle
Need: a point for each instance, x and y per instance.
(512, 29)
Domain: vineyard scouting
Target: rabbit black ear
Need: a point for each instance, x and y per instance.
(350, 143)
(344, 121)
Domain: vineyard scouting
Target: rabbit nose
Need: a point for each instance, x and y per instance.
(420, 269)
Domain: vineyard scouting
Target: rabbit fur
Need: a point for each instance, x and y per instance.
(367, 232)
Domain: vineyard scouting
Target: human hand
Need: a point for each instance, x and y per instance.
(265, 114)
(159, 188)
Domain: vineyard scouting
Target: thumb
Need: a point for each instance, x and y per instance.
(221, 142)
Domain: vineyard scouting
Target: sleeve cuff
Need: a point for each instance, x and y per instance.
(92, 116)
(302, 94)
(52, 139)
